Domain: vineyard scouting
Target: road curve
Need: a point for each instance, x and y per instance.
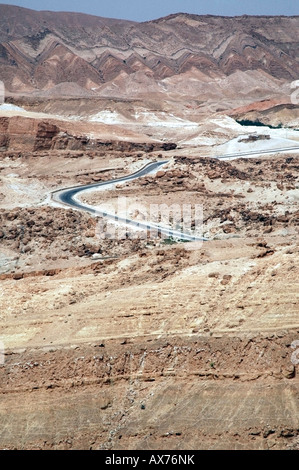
(67, 197)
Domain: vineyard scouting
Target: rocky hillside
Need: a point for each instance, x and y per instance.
(286, 115)
(28, 134)
(77, 54)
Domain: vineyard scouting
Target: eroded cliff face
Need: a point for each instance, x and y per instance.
(172, 393)
(25, 134)
(31, 134)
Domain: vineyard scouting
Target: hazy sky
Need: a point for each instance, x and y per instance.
(143, 10)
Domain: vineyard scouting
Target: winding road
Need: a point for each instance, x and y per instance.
(67, 196)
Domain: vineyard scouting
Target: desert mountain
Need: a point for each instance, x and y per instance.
(113, 338)
(59, 53)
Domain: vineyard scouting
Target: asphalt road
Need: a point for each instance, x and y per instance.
(255, 152)
(67, 197)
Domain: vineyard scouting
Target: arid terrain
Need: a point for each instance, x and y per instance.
(144, 342)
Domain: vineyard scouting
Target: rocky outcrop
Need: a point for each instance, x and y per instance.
(45, 135)
(29, 134)
(275, 116)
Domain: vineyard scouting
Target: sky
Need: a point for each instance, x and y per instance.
(145, 10)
